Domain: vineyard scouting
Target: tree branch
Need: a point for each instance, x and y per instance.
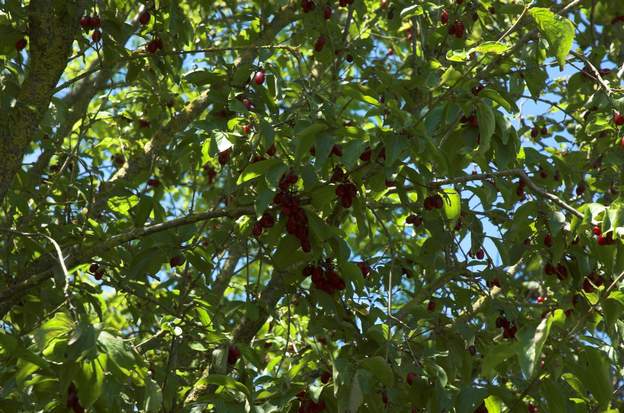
(53, 28)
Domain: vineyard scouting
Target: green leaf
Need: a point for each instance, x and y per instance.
(89, 380)
(531, 345)
(452, 203)
(559, 32)
(494, 96)
(227, 382)
(487, 125)
(493, 404)
(495, 356)
(553, 395)
(490, 47)
(153, 396)
(117, 350)
(257, 169)
(378, 366)
(356, 396)
(414, 10)
(57, 326)
(595, 373)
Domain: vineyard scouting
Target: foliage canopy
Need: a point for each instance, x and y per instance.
(307, 206)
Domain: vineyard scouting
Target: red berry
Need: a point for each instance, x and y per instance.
(267, 220)
(580, 188)
(364, 268)
(233, 354)
(327, 12)
(153, 182)
(85, 22)
(540, 299)
(95, 22)
(431, 306)
(325, 377)
(21, 44)
(618, 119)
(459, 28)
(144, 17)
(320, 43)
(548, 241)
(472, 350)
(224, 156)
(247, 129)
(480, 254)
(257, 229)
(438, 202)
(531, 408)
(597, 231)
(176, 261)
(259, 77)
(477, 89)
(336, 150)
(535, 132)
(444, 16)
(248, 103)
(94, 267)
(96, 36)
(307, 5)
(152, 46)
(622, 142)
(411, 377)
(98, 274)
(549, 269)
(602, 240)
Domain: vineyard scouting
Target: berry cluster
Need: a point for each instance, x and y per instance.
(433, 202)
(307, 405)
(176, 261)
(478, 254)
(346, 192)
(92, 23)
(457, 29)
(324, 277)
(297, 220)
(96, 270)
(592, 281)
(603, 239)
(265, 222)
(560, 270)
(414, 220)
(509, 328)
(154, 45)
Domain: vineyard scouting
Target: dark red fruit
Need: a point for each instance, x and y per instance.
(438, 202)
(248, 103)
(472, 350)
(99, 274)
(176, 261)
(320, 43)
(272, 150)
(480, 254)
(85, 22)
(95, 22)
(531, 408)
(327, 12)
(144, 17)
(307, 5)
(540, 299)
(21, 44)
(233, 354)
(458, 29)
(210, 172)
(580, 188)
(224, 156)
(364, 268)
(502, 322)
(510, 332)
(597, 231)
(411, 377)
(618, 119)
(94, 267)
(477, 89)
(431, 305)
(444, 16)
(154, 45)
(153, 182)
(247, 129)
(366, 155)
(267, 220)
(72, 399)
(415, 220)
(259, 77)
(349, 59)
(548, 240)
(325, 377)
(256, 230)
(535, 132)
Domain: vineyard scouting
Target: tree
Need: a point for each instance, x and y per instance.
(311, 206)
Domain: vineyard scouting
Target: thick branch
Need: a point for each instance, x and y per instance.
(53, 27)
